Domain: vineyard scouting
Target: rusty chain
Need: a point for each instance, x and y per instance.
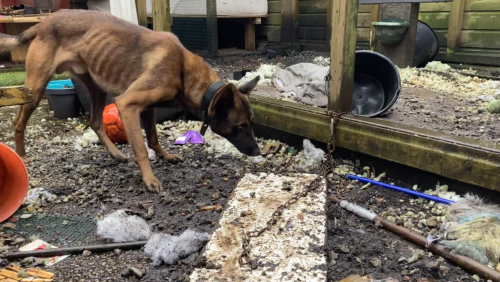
(326, 168)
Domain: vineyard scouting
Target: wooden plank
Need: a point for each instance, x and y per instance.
(476, 57)
(22, 19)
(18, 55)
(289, 21)
(374, 17)
(487, 39)
(472, 20)
(11, 96)
(250, 37)
(435, 7)
(470, 6)
(162, 21)
(319, 33)
(315, 7)
(320, 20)
(482, 5)
(142, 13)
(213, 41)
(274, 7)
(455, 25)
(343, 50)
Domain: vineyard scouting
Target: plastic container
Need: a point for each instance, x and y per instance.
(63, 100)
(390, 31)
(84, 96)
(13, 182)
(45, 6)
(426, 45)
(377, 84)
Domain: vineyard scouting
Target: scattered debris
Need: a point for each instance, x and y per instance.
(120, 227)
(42, 245)
(15, 273)
(494, 107)
(88, 138)
(169, 249)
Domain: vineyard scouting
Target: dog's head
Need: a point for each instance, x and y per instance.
(232, 117)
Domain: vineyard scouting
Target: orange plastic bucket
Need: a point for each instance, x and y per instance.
(13, 182)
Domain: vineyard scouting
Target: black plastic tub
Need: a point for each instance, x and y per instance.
(64, 101)
(426, 46)
(377, 84)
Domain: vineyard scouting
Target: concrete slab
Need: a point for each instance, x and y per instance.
(293, 250)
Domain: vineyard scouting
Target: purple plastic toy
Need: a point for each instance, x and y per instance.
(193, 137)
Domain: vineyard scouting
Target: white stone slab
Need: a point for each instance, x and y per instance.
(293, 250)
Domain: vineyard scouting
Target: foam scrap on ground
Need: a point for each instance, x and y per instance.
(37, 193)
(164, 248)
(120, 227)
(87, 139)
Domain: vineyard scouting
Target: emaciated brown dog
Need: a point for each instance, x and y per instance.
(141, 68)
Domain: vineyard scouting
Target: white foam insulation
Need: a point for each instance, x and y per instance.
(292, 250)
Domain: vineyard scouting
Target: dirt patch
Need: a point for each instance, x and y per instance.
(89, 184)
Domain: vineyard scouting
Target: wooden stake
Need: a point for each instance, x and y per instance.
(342, 54)
(213, 40)
(162, 21)
(142, 13)
(375, 17)
(11, 96)
(455, 25)
(290, 21)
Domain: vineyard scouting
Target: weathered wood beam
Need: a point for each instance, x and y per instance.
(463, 159)
(213, 40)
(344, 18)
(375, 17)
(142, 13)
(290, 21)
(12, 96)
(162, 21)
(455, 26)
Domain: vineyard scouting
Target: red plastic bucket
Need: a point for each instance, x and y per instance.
(13, 182)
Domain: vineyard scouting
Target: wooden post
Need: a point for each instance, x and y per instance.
(342, 54)
(213, 40)
(250, 36)
(375, 17)
(290, 21)
(455, 25)
(142, 13)
(329, 8)
(162, 21)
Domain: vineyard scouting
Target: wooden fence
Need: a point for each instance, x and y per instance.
(468, 30)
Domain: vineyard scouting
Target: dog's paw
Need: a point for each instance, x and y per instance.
(153, 185)
(117, 155)
(173, 158)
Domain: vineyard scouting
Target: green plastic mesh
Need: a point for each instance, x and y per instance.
(58, 230)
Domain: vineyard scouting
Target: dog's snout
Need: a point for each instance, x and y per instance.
(255, 152)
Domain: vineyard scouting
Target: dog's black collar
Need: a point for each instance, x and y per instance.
(205, 103)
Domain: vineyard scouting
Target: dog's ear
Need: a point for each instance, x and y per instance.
(249, 86)
(224, 101)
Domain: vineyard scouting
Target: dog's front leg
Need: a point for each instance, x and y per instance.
(130, 106)
(148, 120)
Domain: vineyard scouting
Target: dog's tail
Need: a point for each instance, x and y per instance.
(10, 42)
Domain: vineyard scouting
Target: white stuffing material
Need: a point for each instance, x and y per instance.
(151, 152)
(266, 73)
(37, 193)
(87, 139)
(120, 227)
(313, 156)
(169, 249)
(438, 66)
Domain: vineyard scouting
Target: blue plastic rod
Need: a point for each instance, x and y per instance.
(399, 189)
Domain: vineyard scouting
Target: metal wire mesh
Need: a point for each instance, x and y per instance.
(192, 32)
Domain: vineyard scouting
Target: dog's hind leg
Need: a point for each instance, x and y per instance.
(39, 70)
(98, 98)
(149, 122)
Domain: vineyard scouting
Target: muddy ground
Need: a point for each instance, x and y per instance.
(90, 184)
(459, 115)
